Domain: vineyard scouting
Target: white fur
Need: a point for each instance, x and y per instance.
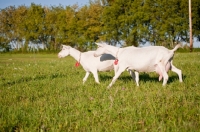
(146, 59)
(88, 61)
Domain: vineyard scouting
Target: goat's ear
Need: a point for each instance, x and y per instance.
(65, 46)
(99, 45)
(61, 46)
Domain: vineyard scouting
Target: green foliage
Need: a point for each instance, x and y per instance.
(39, 92)
(160, 22)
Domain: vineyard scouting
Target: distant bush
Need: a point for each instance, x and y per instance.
(186, 48)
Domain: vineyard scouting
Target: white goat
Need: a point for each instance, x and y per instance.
(88, 61)
(146, 59)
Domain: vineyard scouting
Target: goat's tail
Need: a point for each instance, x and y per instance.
(176, 47)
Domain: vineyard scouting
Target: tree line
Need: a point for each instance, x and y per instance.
(125, 22)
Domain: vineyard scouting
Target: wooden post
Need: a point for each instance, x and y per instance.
(190, 25)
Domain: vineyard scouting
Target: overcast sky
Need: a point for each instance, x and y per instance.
(16, 3)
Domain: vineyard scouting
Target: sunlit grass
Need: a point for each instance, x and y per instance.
(39, 92)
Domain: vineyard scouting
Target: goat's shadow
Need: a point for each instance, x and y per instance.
(105, 57)
(144, 77)
(28, 79)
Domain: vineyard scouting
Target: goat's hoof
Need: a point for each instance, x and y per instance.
(108, 87)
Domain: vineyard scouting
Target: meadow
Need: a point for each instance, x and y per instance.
(39, 92)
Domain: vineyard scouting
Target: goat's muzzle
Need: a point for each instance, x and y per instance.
(95, 55)
(59, 56)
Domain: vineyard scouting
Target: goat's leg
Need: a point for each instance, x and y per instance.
(135, 76)
(95, 74)
(178, 71)
(165, 78)
(118, 73)
(131, 73)
(116, 68)
(86, 76)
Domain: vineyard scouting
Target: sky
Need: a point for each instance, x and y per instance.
(16, 3)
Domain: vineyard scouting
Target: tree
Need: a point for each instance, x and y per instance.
(33, 23)
(110, 18)
(19, 19)
(90, 23)
(55, 21)
(7, 26)
(196, 18)
(115, 21)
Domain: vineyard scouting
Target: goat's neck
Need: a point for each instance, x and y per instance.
(113, 51)
(75, 54)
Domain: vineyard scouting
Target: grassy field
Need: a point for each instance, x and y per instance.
(39, 92)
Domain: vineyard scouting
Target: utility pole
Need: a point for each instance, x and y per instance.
(190, 25)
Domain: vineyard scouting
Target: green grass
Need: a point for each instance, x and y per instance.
(39, 92)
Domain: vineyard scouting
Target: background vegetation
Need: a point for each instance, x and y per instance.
(160, 22)
(39, 92)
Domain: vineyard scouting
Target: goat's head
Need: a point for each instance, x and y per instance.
(100, 49)
(64, 52)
